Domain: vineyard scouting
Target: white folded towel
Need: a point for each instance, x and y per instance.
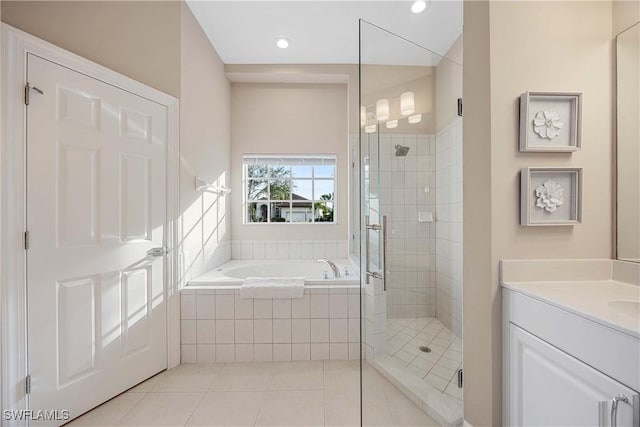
(272, 287)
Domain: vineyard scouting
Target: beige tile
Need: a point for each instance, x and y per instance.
(196, 369)
(238, 408)
(342, 407)
(292, 408)
(242, 377)
(299, 375)
(147, 385)
(342, 375)
(375, 409)
(163, 409)
(110, 412)
(405, 412)
(182, 383)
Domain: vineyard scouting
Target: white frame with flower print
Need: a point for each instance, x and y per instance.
(574, 125)
(571, 210)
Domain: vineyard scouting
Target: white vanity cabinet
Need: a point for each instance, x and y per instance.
(561, 369)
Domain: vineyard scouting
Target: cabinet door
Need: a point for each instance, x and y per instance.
(551, 388)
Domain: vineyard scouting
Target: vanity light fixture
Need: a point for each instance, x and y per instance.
(392, 124)
(370, 128)
(283, 42)
(418, 6)
(407, 103)
(415, 119)
(382, 109)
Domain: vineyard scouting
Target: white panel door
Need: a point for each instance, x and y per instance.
(551, 388)
(95, 206)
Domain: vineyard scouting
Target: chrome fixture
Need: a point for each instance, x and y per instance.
(368, 227)
(156, 252)
(401, 151)
(201, 184)
(334, 268)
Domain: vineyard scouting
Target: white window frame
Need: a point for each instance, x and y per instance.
(265, 157)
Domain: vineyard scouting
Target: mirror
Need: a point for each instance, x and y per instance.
(628, 144)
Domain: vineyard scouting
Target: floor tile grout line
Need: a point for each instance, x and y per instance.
(195, 408)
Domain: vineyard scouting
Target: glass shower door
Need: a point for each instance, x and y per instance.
(410, 172)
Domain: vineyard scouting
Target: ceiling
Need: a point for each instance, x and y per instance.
(326, 32)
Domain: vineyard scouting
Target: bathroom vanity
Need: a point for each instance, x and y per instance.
(571, 343)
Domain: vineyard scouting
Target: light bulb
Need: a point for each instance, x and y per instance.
(382, 109)
(418, 6)
(283, 42)
(407, 103)
(415, 119)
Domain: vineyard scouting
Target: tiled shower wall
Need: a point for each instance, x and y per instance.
(408, 188)
(448, 167)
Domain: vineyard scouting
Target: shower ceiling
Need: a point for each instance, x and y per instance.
(323, 32)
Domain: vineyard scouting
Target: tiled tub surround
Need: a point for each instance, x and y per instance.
(289, 249)
(408, 188)
(219, 326)
(448, 235)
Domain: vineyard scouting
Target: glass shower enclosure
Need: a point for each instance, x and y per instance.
(410, 155)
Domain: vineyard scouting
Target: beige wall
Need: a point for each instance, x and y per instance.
(552, 46)
(448, 85)
(481, 311)
(304, 73)
(625, 14)
(140, 39)
(289, 118)
(205, 138)
(628, 144)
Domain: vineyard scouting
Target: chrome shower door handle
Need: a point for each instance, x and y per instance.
(384, 253)
(614, 408)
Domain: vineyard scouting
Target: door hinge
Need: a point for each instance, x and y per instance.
(460, 378)
(460, 107)
(27, 91)
(27, 384)
(26, 240)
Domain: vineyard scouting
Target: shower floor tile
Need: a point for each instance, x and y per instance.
(439, 367)
(322, 393)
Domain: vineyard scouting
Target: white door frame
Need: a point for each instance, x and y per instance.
(16, 45)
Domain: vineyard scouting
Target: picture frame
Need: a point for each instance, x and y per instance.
(550, 196)
(550, 122)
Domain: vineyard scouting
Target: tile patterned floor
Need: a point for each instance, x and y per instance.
(309, 393)
(439, 367)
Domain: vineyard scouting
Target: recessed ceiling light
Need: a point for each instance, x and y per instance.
(418, 6)
(283, 42)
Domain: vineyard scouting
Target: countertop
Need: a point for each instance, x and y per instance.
(589, 299)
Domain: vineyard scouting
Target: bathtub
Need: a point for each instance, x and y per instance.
(233, 273)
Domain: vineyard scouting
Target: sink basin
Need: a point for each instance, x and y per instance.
(626, 308)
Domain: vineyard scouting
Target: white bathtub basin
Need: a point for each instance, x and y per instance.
(234, 272)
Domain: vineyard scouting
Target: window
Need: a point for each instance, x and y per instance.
(293, 189)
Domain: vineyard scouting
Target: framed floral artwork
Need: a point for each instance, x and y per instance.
(550, 121)
(550, 196)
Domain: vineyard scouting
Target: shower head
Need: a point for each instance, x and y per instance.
(401, 151)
